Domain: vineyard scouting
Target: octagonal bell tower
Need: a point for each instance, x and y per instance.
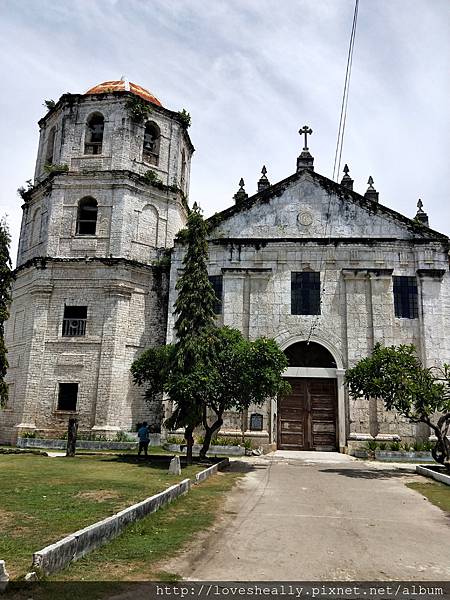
(109, 195)
(115, 156)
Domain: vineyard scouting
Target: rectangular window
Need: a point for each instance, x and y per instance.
(74, 321)
(405, 297)
(217, 282)
(305, 293)
(67, 396)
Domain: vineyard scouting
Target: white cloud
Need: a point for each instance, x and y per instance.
(251, 73)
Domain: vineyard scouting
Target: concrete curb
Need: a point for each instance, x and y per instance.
(211, 470)
(57, 556)
(442, 477)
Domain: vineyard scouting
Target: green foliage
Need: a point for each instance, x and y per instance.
(29, 435)
(51, 168)
(382, 446)
(49, 104)
(122, 436)
(194, 307)
(225, 441)
(394, 446)
(185, 118)
(25, 192)
(372, 445)
(152, 178)
(396, 375)
(137, 108)
(207, 370)
(428, 445)
(175, 439)
(418, 446)
(6, 279)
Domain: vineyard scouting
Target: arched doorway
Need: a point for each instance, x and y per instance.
(308, 417)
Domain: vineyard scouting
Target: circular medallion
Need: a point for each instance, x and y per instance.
(305, 218)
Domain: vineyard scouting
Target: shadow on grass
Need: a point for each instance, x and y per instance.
(366, 473)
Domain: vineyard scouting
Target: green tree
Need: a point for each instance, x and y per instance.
(240, 373)
(194, 311)
(175, 369)
(6, 278)
(207, 370)
(422, 395)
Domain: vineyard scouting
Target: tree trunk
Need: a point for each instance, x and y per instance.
(441, 451)
(209, 432)
(72, 430)
(189, 443)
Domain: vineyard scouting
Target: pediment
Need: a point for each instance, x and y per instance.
(308, 205)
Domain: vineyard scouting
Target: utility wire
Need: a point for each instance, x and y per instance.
(343, 116)
(337, 157)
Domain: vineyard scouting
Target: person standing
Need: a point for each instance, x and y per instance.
(144, 438)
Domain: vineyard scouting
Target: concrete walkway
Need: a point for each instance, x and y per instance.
(319, 516)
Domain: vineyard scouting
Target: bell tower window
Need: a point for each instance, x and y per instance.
(49, 155)
(152, 136)
(94, 134)
(183, 169)
(87, 216)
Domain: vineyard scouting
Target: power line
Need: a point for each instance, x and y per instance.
(343, 116)
(338, 154)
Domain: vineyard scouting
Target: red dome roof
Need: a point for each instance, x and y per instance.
(124, 86)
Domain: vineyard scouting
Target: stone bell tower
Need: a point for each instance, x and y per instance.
(109, 195)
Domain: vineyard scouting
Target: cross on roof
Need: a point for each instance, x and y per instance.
(305, 130)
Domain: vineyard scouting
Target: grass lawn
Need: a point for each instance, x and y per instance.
(437, 493)
(138, 554)
(43, 499)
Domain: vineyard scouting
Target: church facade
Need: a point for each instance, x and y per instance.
(323, 270)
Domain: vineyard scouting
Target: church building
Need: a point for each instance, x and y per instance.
(325, 271)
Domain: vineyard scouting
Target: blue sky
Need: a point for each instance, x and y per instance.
(250, 72)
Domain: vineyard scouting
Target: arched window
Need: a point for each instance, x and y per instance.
(94, 134)
(309, 354)
(148, 226)
(183, 169)
(87, 216)
(49, 155)
(152, 136)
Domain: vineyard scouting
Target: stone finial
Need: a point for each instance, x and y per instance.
(371, 193)
(241, 194)
(421, 215)
(263, 183)
(347, 181)
(305, 160)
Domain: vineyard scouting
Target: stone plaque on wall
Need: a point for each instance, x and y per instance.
(256, 422)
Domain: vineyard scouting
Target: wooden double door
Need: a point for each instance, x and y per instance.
(307, 418)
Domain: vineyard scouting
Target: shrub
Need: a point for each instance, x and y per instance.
(382, 445)
(225, 441)
(29, 434)
(176, 439)
(372, 445)
(25, 192)
(406, 446)
(394, 446)
(138, 108)
(50, 168)
(122, 436)
(185, 118)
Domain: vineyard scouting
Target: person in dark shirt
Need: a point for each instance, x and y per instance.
(144, 438)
